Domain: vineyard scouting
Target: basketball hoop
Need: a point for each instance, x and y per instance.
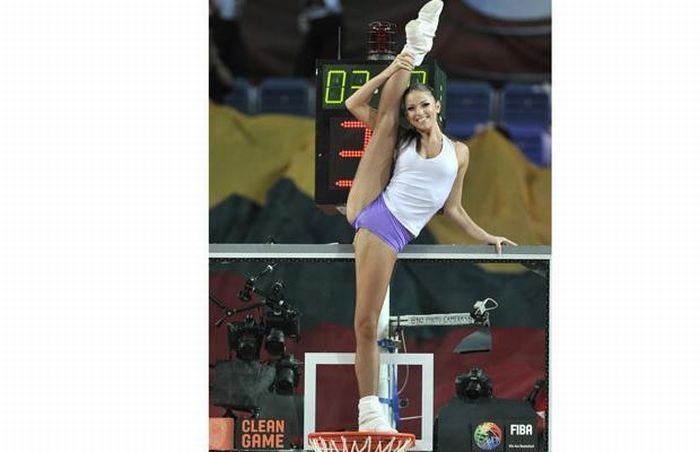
(361, 441)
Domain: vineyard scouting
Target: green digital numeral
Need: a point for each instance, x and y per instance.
(419, 76)
(359, 78)
(335, 86)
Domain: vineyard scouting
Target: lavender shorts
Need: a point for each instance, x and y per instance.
(377, 218)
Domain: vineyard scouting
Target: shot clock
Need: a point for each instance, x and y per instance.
(340, 138)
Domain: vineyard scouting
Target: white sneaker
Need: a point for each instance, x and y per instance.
(429, 16)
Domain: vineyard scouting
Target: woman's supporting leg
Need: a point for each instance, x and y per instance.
(374, 265)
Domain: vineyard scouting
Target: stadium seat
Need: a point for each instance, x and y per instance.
(468, 105)
(525, 111)
(241, 97)
(291, 96)
(534, 142)
(525, 105)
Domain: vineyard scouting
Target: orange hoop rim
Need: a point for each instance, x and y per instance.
(353, 436)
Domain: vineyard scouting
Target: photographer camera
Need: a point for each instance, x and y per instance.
(239, 382)
(473, 385)
(477, 420)
(246, 382)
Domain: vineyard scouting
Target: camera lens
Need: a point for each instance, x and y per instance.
(274, 343)
(473, 385)
(473, 390)
(248, 347)
(284, 381)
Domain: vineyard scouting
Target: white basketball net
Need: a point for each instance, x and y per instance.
(359, 445)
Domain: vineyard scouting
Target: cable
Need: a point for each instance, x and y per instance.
(403, 343)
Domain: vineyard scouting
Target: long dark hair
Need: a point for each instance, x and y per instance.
(406, 132)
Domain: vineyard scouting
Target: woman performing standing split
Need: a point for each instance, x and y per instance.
(388, 213)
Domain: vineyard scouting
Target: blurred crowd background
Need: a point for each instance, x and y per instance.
(497, 57)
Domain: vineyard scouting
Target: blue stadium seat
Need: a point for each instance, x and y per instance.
(289, 96)
(241, 96)
(468, 105)
(525, 105)
(534, 142)
(525, 111)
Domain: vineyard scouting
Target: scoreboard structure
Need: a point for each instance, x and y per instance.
(340, 138)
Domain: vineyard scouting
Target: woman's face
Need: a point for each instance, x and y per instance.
(421, 110)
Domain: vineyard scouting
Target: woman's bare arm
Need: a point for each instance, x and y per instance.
(358, 103)
(453, 206)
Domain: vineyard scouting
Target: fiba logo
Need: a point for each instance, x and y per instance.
(488, 436)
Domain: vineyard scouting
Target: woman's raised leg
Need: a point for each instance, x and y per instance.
(374, 169)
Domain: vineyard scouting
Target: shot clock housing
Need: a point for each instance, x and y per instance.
(340, 138)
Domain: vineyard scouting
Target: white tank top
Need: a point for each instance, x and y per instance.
(419, 186)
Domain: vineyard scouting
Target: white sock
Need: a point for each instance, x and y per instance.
(417, 42)
(429, 16)
(420, 32)
(370, 418)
